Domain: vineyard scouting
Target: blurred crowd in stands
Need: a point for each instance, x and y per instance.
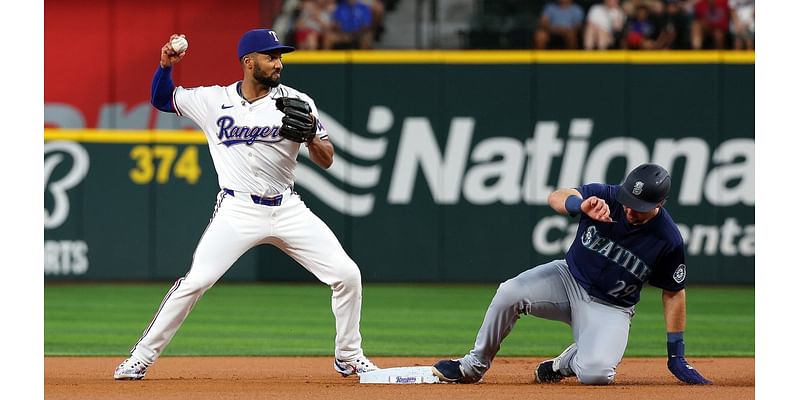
(342, 24)
(647, 25)
(554, 24)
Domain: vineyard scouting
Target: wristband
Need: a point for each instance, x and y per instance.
(573, 204)
(675, 346)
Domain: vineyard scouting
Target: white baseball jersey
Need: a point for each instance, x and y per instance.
(248, 153)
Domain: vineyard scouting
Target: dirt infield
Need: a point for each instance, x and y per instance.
(200, 378)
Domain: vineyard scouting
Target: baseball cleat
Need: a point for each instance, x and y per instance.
(449, 371)
(545, 374)
(548, 371)
(356, 366)
(130, 370)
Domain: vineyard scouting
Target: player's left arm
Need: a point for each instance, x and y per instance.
(675, 319)
(320, 148)
(669, 274)
(320, 151)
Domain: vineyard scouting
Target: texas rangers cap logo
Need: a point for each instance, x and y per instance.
(637, 188)
(680, 274)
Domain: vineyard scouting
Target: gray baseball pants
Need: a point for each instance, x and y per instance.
(549, 291)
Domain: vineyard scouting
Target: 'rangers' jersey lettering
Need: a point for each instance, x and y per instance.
(248, 152)
(230, 133)
(612, 261)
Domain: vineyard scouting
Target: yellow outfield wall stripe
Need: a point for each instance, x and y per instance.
(520, 57)
(125, 136)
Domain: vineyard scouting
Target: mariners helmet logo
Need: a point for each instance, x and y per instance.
(680, 274)
(637, 188)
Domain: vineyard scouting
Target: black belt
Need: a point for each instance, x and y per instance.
(264, 201)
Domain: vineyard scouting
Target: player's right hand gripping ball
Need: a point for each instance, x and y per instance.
(298, 123)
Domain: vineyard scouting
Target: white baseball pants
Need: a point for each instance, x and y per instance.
(237, 225)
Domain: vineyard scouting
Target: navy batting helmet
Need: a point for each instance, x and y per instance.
(645, 188)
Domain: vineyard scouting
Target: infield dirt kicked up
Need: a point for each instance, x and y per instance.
(201, 378)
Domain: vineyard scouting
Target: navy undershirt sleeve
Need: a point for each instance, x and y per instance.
(161, 89)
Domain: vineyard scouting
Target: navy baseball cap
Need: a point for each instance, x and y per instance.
(261, 40)
(645, 188)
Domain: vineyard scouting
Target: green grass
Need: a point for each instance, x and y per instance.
(403, 320)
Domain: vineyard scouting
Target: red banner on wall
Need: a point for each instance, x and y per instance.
(100, 56)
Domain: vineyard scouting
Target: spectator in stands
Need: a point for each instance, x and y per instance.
(711, 23)
(604, 25)
(563, 21)
(640, 31)
(311, 25)
(673, 27)
(743, 23)
(378, 10)
(351, 26)
(630, 6)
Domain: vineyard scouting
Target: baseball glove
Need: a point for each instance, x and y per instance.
(298, 123)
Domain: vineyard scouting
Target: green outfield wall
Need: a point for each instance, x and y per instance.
(442, 170)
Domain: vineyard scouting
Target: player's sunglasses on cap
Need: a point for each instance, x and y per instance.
(261, 41)
(645, 188)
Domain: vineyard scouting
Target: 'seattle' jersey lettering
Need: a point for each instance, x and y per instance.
(248, 152)
(621, 256)
(612, 261)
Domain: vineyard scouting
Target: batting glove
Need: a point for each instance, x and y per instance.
(678, 365)
(685, 372)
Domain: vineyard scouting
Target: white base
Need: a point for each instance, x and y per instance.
(400, 375)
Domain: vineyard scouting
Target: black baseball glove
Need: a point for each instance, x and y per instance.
(298, 123)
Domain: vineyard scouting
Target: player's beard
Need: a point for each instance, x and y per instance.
(264, 79)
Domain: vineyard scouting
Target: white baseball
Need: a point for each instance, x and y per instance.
(179, 44)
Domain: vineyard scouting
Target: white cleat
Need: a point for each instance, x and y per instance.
(357, 365)
(130, 370)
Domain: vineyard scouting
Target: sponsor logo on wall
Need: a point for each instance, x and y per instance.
(503, 170)
(65, 256)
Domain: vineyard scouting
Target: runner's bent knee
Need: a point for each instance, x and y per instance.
(594, 373)
(509, 294)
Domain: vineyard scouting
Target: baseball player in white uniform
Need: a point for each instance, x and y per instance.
(254, 128)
